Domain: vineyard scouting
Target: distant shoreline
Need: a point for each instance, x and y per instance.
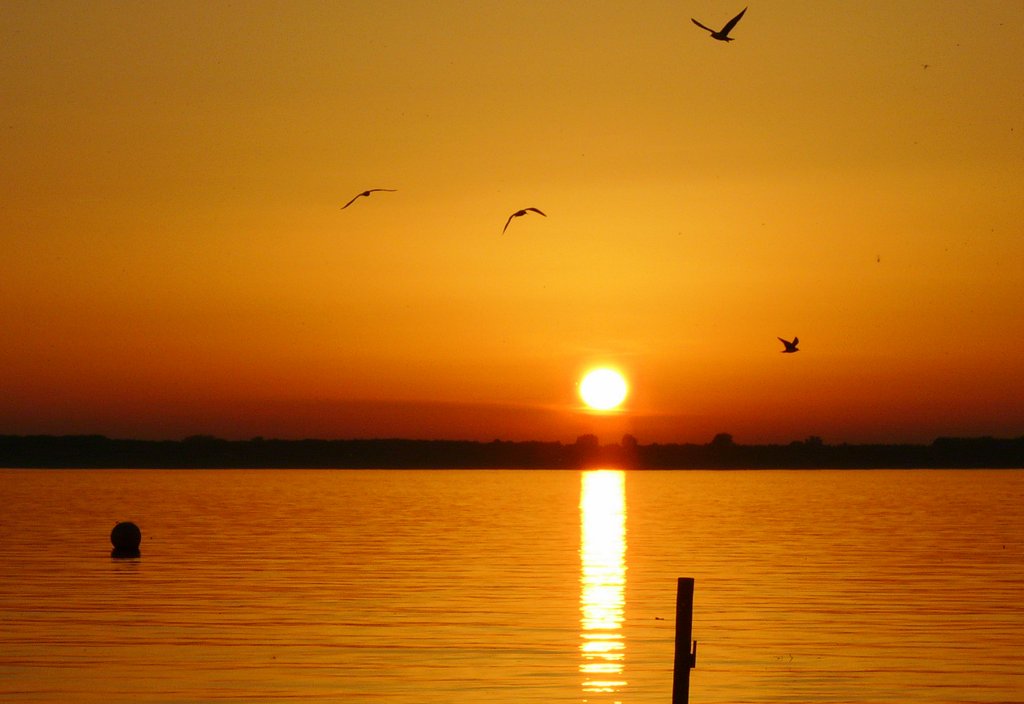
(207, 452)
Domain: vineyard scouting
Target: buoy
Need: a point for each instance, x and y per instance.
(126, 538)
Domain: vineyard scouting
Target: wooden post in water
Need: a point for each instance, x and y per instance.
(685, 660)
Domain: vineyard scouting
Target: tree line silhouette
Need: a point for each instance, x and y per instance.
(205, 451)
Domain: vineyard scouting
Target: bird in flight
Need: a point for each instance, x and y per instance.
(790, 346)
(722, 35)
(520, 213)
(366, 194)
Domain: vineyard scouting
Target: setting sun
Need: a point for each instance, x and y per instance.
(603, 389)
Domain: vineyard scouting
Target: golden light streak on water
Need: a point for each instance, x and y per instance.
(602, 580)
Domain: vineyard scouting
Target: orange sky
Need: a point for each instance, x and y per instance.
(176, 260)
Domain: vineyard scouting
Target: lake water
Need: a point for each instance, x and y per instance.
(413, 587)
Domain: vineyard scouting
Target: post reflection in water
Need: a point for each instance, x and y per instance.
(602, 579)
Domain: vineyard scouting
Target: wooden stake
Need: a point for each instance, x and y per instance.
(685, 659)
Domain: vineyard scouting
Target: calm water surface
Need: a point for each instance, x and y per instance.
(511, 586)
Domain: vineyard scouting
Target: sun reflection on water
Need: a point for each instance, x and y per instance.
(602, 579)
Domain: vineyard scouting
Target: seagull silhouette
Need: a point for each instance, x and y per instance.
(519, 213)
(790, 346)
(367, 193)
(722, 35)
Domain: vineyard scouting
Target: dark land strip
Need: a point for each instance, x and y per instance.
(207, 452)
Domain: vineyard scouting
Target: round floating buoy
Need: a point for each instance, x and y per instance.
(126, 538)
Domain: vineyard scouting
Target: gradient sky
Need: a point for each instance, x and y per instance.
(176, 261)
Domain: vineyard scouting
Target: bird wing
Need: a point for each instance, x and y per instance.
(785, 342)
(351, 201)
(702, 26)
(537, 211)
(732, 23)
(507, 222)
(389, 190)
(796, 341)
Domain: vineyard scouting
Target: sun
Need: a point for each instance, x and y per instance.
(603, 389)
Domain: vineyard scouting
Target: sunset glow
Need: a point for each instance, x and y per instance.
(178, 262)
